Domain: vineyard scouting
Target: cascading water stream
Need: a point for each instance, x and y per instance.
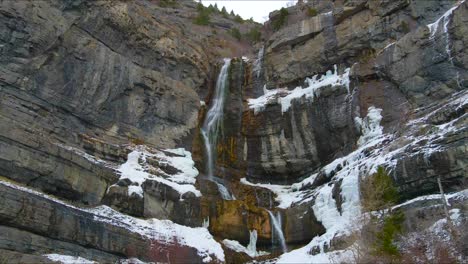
(277, 236)
(434, 28)
(252, 246)
(213, 126)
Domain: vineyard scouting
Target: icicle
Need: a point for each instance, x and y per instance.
(252, 247)
(206, 222)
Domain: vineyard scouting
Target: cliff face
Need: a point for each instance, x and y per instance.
(102, 104)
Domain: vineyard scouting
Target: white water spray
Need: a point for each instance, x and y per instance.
(277, 236)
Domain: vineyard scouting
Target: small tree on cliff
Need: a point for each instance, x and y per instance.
(203, 17)
(376, 238)
(378, 191)
(280, 20)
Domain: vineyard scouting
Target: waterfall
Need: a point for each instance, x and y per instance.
(433, 29)
(213, 126)
(257, 66)
(277, 237)
(252, 247)
(225, 194)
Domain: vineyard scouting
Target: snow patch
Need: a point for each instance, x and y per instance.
(314, 84)
(455, 216)
(461, 195)
(164, 231)
(65, 259)
(285, 195)
(302, 255)
(131, 261)
(138, 170)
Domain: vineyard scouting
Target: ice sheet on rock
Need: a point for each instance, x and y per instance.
(313, 85)
(65, 259)
(370, 125)
(138, 170)
(238, 247)
(270, 97)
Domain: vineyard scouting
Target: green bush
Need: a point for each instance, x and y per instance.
(238, 19)
(168, 3)
(385, 237)
(200, 7)
(279, 21)
(235, 33)
(203, 17)
(224, 12)
(211, 9)
(312, 12)
(378, 191)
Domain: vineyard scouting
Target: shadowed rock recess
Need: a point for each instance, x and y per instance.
(102, 105)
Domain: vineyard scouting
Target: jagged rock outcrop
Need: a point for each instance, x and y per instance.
(107, 234)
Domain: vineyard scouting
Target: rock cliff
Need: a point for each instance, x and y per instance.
(102, 105)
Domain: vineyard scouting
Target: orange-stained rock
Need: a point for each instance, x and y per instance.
(234, 219)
